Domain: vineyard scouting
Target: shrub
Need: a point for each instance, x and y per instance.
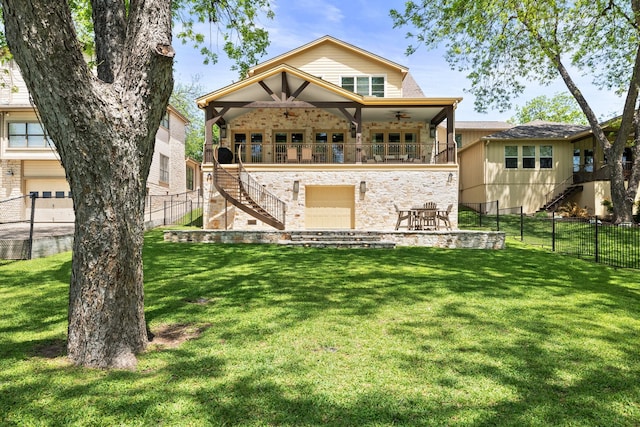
(572, 210)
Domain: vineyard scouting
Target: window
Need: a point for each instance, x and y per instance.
(165, 120)
(59, 194)
(528, 156)
(588, 160)
(287, 140)
(164, 168)
(26, 134)
(364, 85)
(190, 176)
(328, 147)
(511, 157)
(394, 146)
(546, 157)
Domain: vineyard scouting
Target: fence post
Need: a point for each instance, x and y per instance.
(33, 215)
(521, 224)
(596, 240)
(553, 231)
(480, 207)
(498, 215)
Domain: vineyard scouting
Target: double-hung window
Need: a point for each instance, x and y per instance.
(164, 168)
(546, 156)
(26, 134)
(528, 156)
(511, 157)
(364, 85)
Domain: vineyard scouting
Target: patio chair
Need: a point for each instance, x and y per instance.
(306, 156)
(403, 215)
(292, 155)
(444, 217)
(377, 158)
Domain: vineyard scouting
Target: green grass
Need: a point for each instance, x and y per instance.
(305, 337)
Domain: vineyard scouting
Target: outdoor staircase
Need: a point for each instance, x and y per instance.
(338, 239)
(240, 189)
(557, 199)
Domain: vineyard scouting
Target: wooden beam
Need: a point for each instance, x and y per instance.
(268, 90)
(298, 91)
(285, 87)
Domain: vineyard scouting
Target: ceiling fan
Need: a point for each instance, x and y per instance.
(402, 115)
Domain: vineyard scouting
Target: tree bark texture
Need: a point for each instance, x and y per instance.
(104, 129)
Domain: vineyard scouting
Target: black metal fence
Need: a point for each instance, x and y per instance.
(32, 226)
(175, 209)
(588, 238)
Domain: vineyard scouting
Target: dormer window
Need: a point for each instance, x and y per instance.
(364, 85)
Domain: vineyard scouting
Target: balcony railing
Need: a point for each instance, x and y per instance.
(337, 153)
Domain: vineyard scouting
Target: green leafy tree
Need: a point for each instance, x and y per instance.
(103, 122)
(182, 100)
(561, 108)
(505, 44)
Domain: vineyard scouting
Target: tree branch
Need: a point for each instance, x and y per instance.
(109, 23)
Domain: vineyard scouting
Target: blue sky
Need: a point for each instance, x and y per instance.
(367, 24)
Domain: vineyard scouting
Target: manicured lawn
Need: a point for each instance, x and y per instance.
(305, 337)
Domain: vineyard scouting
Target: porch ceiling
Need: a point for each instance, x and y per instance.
(292, 89)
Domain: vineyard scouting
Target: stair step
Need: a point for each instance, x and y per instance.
(340, 244)
(335, 238)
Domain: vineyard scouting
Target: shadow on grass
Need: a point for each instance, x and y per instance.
(514, 337)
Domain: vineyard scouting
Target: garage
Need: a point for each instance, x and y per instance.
(330, 207)
(47, 180)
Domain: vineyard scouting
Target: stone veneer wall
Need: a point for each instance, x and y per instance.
(458, 239)
(308, 121)
(386, 185)
(11, 188)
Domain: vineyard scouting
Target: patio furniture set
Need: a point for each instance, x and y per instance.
(425, 217)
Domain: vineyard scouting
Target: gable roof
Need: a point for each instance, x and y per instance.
(410, 88)
(538, 130)
(269, 89)
(326, 40)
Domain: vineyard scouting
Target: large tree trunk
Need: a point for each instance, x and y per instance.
(104, 129)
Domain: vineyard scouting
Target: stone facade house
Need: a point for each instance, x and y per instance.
(326, 136)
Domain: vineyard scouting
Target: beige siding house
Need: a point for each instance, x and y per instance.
(533, 164)
(335, 136)
(29, 162)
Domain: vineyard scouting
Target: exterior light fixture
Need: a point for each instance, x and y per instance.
(209, 177)
(363, 187)
(296, 187)
(10, 172)
(223, 131)
(450, 178)
(432, 131)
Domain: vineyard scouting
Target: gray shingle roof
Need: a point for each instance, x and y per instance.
(410, 88)
(539, 130)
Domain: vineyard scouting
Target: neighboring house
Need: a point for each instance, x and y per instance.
(335, 134)
(538, 165)
(468, 132)
(30, 164)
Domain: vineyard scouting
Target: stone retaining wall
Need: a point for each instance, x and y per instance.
(456, 239)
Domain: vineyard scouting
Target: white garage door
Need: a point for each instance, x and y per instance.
(329, 207)
(54, 203)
